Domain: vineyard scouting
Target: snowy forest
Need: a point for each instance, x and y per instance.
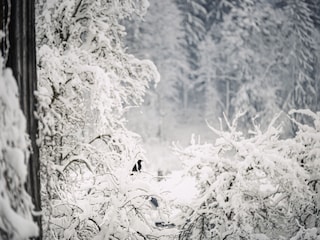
(171, 119)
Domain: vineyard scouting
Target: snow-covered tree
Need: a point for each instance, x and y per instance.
(16, 206)
(256, 57)
(199, 19)
(300, 29)
(194, 23)
(255, 187)
(158, 38)
(306, 151)
(241, 54)
(86, 83)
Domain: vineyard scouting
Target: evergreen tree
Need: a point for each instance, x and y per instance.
(300, 30)
(260, 58)
(158, 38)
(195, 27)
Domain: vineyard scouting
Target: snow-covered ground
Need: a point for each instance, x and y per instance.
(180, 188)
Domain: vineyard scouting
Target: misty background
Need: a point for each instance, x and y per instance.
(222, 58)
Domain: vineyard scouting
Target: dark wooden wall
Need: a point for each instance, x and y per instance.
(22, 60)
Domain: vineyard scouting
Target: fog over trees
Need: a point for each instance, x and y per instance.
(169, 119)
(258, 57)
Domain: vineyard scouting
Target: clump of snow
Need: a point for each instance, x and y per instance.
(15, 204)
(16, 160)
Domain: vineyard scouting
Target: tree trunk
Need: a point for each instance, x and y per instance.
(22, 61)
